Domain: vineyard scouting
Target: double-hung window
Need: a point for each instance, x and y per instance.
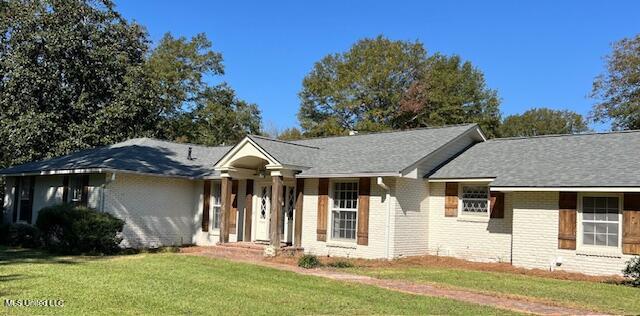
(600, 221)
(217, 203)
(344, 210)
(475, 200)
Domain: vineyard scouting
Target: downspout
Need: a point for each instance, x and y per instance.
(385, 187)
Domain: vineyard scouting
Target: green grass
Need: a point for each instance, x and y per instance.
(176, 284)
(591, 295)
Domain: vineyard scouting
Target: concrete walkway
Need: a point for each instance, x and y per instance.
(254, 256)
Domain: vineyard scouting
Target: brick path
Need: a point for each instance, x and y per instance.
(254, 256)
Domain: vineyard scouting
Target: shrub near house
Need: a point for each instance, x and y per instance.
(69, 229)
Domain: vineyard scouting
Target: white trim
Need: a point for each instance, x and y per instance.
(567, 189)
(226, 158)
(596, 250)
(349, 175)
(461, 180)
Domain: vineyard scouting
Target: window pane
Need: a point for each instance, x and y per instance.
(216, 217)
(344, 224)
(612, 240)
(589, 228)
(216, 192)
(587, 216)
(601, 240)
(475, 199)
(588, 203)
(588, 239)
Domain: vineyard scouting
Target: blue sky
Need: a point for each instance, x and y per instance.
(535, 53)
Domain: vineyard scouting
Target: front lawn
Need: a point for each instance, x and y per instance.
(590, 295)
(178, 284)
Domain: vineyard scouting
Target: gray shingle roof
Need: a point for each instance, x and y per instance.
(386, 152)
(585, 160)
(287, 153)
(142, 155)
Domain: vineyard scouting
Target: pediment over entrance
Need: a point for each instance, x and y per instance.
(247, 155)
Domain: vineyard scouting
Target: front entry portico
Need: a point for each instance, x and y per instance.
(271, 210)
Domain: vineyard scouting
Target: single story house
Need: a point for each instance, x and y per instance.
(568, 202)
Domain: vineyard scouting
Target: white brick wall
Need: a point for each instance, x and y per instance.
(473, 240)
(378, 218)
(410, 217)
(157, 210)
(535, 240)
(47, 191)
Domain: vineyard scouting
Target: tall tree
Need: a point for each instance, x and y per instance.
(383, 84)
(221, 118)
(449, 91)
(75, 74)
(180, 65)
(618, 89)
(72, 75)
(543, 121)
(194, 110)
(359, 89)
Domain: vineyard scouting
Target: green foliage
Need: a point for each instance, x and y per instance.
(543, 121)
(291, 133)
(381, 84)
(75, 74)
(340, 264)
(221, 118)
(308, 261)
(20, 235)
(449, 91)
(618, 89)
(72, 76)
(77, 230)
(632, 271)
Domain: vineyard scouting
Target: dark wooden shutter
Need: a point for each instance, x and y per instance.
(631, 224)
(65, 189)
(84, 200)
(206, 198)
(297, 231)
(451, 199)
(364, 192)
(233, 216)
(323, 205)
(496, 200)
(567, 205)
(16, 198)
(248, 210)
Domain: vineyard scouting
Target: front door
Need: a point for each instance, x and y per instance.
(264, 212)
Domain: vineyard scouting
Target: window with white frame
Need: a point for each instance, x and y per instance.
(344, 210)
(475, 200)
(217, 203)
(600, 221)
